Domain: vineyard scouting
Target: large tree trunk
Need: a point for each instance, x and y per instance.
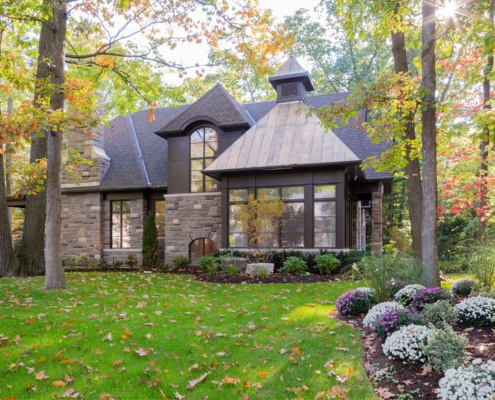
(55, 275)
(31, 253)
(430, 276)
(8, 261)
(485, 140)
(413, 179)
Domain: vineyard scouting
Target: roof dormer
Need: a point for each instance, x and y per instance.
(291, 81)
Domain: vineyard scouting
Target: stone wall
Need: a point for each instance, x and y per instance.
(138, 216)
(81, 225)
(189, 217)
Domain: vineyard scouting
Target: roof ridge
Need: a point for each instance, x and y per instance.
(137, 149)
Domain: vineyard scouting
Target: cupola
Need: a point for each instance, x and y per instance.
(291, 81)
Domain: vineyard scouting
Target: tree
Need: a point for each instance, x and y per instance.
(431, 275)
(260, 220)
(150, 242)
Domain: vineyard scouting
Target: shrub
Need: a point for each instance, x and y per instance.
(232, 270)
(353, 302)
(439, 313)
(474, 382)
(445, 348)
(327, 263)
(476, 311)
(391, 321)
(131, 261)
(482, 264)
(294, 265)
(371, 293)
(379, 309)
(180, 261)
(206, 262)
(407, 343)
(428, 296)
(395, 285)
(405, 295)
(150, 242)
(463, 287)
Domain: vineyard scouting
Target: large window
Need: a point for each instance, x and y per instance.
(121, 224)
(204, 149)
(201, 247)
(289, 231)
(325, 207)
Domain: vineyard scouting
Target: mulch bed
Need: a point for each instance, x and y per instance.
(392, 378)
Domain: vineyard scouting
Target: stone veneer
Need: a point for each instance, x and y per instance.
(81, 225)
(189, 217)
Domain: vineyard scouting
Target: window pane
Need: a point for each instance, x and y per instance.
(325, 191)
(293, 225)
(197, 150)
(325, 239)
(116, 206)
(196, 186)
(197, 136)
(238, 195)
(196, 176)
(270, 193)
(126, 230)
(238, 240)
(211, 149)
(116, 230)
(293, 193)
(160, 217)
(210, 184)
(234, 218)
(324, 208)
(126, 206)
(196, 165)
(211, 135)
(325, 224)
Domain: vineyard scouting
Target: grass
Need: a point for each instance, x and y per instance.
(143, 336)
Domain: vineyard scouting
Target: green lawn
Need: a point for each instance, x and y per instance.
(144, 336)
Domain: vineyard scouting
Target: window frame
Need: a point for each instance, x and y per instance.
(204, 159)
(121, 214)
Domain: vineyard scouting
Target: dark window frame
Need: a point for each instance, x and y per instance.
(121, 213)
(203, 159)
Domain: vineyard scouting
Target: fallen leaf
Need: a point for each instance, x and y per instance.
(178, 396)
(106, 396)
(59, 383)
(194, 382)
(384, 393)
(41, 375)
(408, 382)
(70, 393)
(230, 381)
(163, 395)
(141, 352)
(425, 370)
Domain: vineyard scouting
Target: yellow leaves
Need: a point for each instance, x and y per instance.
(262, 374)
(97, 351)
(151, 117)
(106, 396)
(59, 384)
(230, 381)
(105, 61)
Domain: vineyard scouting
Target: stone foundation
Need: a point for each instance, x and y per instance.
(190, 217)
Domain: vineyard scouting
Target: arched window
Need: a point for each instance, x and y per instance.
(204, 149)
(201, 247)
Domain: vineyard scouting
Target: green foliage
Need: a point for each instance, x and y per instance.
(378, 272)
(327, 263)
(440, 313)
(294, 265)
(207, 262)
(150, 242)
(131, 261)
(446, 349)
(180, 262)
(482, 264)
(232, 270)
(456, 235)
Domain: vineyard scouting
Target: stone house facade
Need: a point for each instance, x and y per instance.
(193, 165)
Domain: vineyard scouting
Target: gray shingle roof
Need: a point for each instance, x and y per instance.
(125, 172)
(217, 105)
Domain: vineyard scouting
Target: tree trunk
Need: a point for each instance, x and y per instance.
(413, 178)
(430, 276)
(31, 253)
(55, 275)
(8, 261)
(485, 140)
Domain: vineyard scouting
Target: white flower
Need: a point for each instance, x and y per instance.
(378, 310)
(407, 292)
(476, 310)
(369, 292)
(407, 343)
(474, 382)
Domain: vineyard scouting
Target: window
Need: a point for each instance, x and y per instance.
(289, 232)
(325, 207)
(160, 217)
(201, 247)
(121, 224)
(204, 149)
(237, 236)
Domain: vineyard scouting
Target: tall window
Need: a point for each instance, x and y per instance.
(204, 149)
(160, 217)
(325, 206)
(121, 224)
(201, 247)
(237, 237)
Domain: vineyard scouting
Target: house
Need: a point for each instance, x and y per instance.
(193, 166)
